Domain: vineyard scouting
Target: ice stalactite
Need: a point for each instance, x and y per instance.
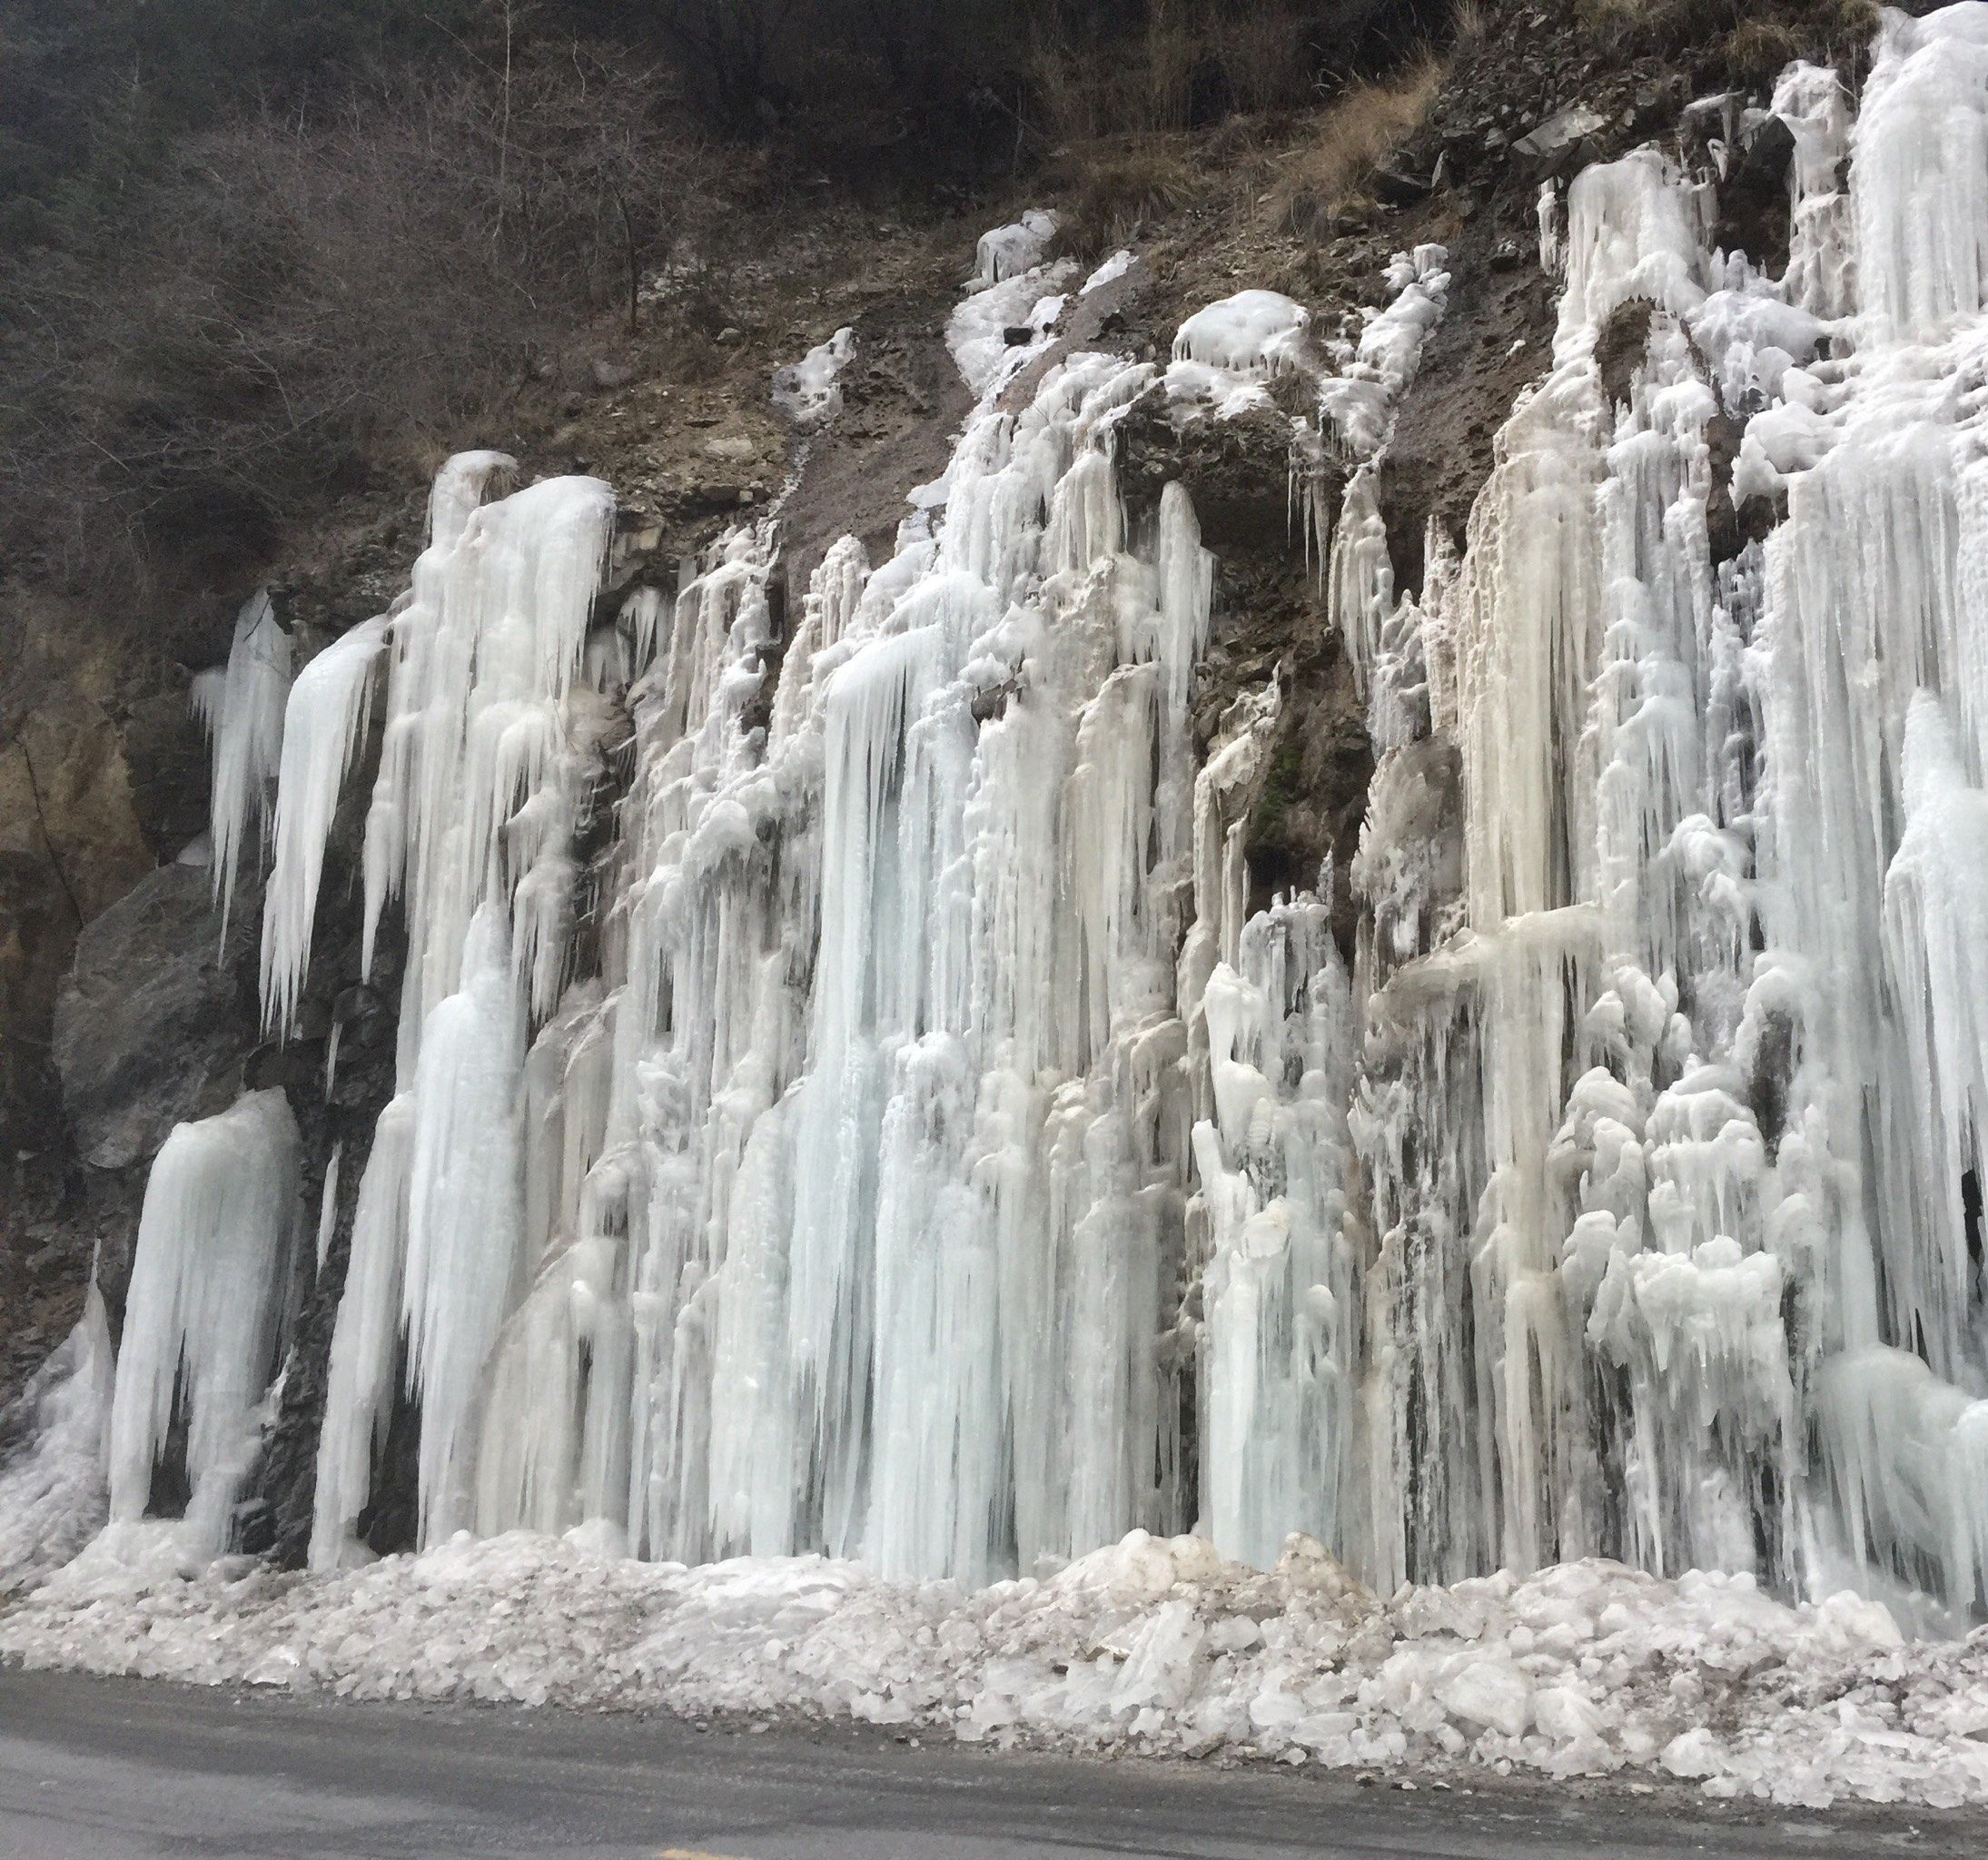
(489, 741)
(242, 709)
(204, 1316)
(365, 1340)
(323, 722)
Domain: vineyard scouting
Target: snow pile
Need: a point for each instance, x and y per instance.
(1148, 1645)
(53, 1496)
(808, 391)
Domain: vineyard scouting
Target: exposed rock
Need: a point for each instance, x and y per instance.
(153, 1023)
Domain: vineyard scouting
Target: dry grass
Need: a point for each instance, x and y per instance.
(1187, 63)
(1331, 169)
(1115, 188)
(1755, 38)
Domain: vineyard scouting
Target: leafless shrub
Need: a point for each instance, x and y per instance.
(294, 297)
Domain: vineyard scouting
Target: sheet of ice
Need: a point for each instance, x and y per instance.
(993, 333)
(1007, 251)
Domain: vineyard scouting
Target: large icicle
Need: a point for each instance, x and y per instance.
(203, 1316)
(242, 709)
(325, 718)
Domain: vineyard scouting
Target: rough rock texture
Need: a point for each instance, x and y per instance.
(153, 1022)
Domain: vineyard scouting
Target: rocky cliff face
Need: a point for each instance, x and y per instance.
(125, 1007)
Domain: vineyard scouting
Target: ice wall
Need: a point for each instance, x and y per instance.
(1671, 1144)
(925, 1155)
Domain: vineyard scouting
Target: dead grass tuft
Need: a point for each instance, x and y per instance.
(1116, 187)
(1329, 172)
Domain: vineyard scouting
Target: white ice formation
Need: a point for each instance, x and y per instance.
(1009, 251)
(52, 1496)
(205, 1313)
(808, 392)
(241, 706)
(323, 721)
(906, 1145)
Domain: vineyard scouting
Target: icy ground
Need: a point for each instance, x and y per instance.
(1149, 1647)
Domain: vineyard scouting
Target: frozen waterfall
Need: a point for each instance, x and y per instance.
(903, 1142)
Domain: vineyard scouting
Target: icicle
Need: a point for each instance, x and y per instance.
(325, 718)
(245, 721)
(462, 1212)
(200, 1321)
(1274, 1165)
(359, 1382)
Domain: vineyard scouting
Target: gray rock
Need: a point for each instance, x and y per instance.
(151, 1026)
(1559, 143)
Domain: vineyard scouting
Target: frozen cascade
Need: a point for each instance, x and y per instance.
(204, 1316)
(942, 1166)
(1273, 1164)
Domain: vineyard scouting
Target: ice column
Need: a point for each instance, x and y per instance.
(202, 1318)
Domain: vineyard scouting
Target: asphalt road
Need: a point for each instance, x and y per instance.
(96, 1769)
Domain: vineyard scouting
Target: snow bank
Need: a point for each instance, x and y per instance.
(1149, 1646)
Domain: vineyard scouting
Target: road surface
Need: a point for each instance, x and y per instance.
(103, 1769)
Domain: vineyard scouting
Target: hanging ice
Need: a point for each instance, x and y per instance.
(903, 1141)
(324, 719)
(204, 1310)
(241, 708)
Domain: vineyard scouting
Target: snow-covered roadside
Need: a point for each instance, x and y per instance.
(1150, 1646)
